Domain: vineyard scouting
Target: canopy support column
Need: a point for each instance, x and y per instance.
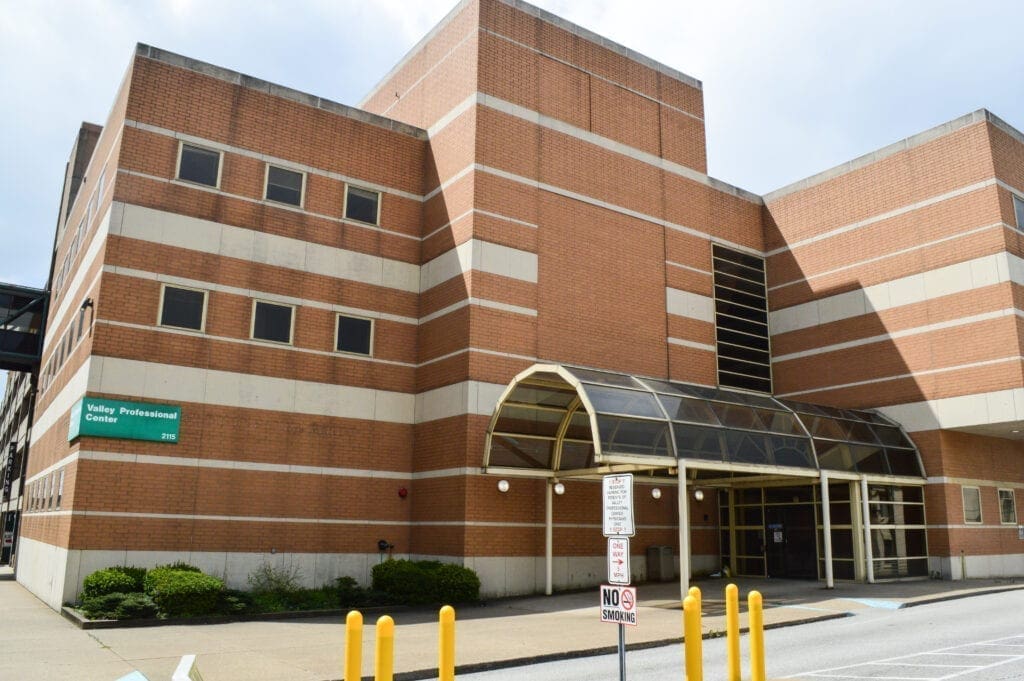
(826, 521)
(548, 537)
(684, 534)
(866, 521)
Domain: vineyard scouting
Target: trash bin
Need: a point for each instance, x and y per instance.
(660, 564)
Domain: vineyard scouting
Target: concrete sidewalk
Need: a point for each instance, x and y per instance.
(37, 643)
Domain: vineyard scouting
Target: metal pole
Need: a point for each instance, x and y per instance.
(826, 520)
(622, 652)
(866, 520)
(684, 535)
(548, 537)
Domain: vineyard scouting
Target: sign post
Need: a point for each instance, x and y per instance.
(618, 599)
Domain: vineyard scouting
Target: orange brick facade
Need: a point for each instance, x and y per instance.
(543, 197)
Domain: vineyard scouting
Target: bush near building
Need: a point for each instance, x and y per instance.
(182, 590)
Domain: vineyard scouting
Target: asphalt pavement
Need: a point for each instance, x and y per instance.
(38, 643)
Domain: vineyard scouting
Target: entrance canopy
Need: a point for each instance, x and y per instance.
(22, 317)
(564, 421)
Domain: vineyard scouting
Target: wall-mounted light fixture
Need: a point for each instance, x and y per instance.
(559, 489)
(698, 494)
(503, 486)
(86, 303)
(656, 493)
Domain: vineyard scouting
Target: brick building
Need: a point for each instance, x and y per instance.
(285, 329)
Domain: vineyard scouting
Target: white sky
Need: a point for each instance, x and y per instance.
(791, 87)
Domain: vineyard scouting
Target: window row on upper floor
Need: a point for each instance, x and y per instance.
(282, 185)
(185, 308)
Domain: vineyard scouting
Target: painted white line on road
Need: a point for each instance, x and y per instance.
(855, 671)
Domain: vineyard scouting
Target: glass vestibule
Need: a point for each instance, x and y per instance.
(779, 531)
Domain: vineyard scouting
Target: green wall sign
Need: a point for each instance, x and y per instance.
(125, 420)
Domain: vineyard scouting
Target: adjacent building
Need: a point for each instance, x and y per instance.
(285, 329)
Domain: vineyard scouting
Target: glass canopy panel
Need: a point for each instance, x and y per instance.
(542, 396)
(834, 456)
(699, 442)
(607, 400)
(869, 459)
(579, 426)
(861, 432)
(576, 455)
(833, 429)
(737, 416)
(892, 436)
(791, 451)
(687, 409)
(780, 422)
(521, 452)
(904, 462)
(631, 436)
(518, 420)
(604, 377)
(745, 447)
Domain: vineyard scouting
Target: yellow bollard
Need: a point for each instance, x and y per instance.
(695, 592)
(756, 636)
(692, 640)
(384, 660)
(353, 646)
(732, 633)
(446, 645)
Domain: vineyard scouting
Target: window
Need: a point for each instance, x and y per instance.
(741, 320)
(184, 308)
(354, 334)
(272, 322)
(284, 186)
(199, 165)
(1007, 507)
(1018, 211)
(60, 488)
(362, 205)
(972, 505)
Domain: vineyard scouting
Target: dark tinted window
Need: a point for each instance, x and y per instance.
(361, 204)
(272, 322)
(354, 334)
(182, 308)
(199, 165)
(284, 185)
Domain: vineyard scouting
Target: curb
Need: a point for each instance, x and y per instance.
(954, 597)
(79, 620)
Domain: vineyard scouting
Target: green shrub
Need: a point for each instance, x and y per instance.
(270, 579)
(183, 593)
(136, 573)
(102, 607)
(135, 606)
(107, 581)
(324, 598)
(426, 582)
(456, 584)
(234, 602)
(181, 566)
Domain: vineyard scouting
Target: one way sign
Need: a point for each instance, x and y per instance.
(618, 560)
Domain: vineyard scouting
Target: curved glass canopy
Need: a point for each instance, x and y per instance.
(563, 420)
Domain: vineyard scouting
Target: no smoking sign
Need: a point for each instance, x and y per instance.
(618, 604)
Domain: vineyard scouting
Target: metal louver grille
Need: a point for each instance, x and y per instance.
(741, 320)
